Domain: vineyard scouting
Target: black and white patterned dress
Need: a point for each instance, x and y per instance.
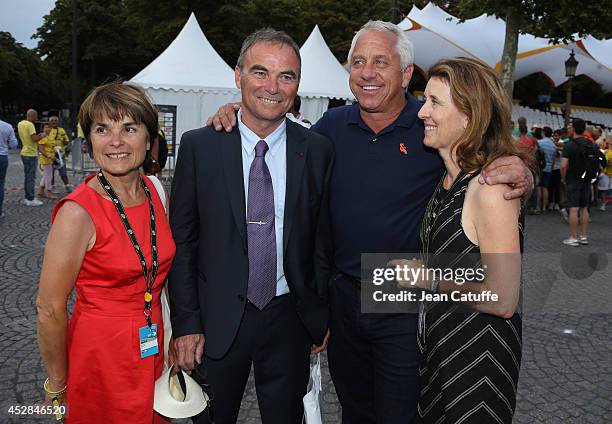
(470, 360)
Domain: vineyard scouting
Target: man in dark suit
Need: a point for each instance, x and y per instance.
(249, 214)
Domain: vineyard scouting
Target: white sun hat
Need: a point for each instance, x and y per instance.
(174, 400)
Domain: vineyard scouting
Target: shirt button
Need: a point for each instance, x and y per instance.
(374, 139)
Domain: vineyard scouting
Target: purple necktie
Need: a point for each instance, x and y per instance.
(261, 235)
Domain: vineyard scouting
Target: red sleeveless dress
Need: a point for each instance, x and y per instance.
(108, 382)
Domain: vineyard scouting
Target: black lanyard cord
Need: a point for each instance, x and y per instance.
(149, 278)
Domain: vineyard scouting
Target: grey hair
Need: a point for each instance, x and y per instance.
(403, 45)
(268, 35)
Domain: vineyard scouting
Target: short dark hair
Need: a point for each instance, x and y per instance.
(548, 132)
(268, 35)
(117, 100)
(579, 125)
(537, 132)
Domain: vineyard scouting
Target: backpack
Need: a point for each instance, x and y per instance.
(586, 166)
(603, 162)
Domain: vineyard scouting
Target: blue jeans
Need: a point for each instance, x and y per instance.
(3, 167)
(30, 163)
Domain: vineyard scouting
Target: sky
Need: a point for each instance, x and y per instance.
(22, 17)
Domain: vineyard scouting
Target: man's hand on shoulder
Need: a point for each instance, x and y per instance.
(225, 117)
(509, 170)
(188, 351)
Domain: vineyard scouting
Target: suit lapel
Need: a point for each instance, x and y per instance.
(296, 159)
(232, 168)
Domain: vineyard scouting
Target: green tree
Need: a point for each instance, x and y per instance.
(106, 44)
(120, 37)
(25, 80)
(556, 20)
(226, 23)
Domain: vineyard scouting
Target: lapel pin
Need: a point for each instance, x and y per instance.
(403, 148)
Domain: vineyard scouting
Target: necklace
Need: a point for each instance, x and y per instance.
(435, 207)
(149, 277)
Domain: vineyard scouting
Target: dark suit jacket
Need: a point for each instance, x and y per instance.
(209, 276)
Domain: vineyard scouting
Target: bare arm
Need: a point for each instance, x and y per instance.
(71, 235)
(493, 223)
(496, 222)
(37, 137)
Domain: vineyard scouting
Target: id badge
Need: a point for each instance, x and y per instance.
(148, 340)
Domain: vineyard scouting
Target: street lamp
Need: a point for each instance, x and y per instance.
(570, 72)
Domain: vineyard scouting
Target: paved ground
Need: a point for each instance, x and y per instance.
(566, 374)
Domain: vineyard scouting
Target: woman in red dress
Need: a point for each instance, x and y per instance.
(110, 240)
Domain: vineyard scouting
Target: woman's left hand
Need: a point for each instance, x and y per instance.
(411, 273)
(56, 402)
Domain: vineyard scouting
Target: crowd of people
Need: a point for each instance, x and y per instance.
(574, 172)
(46, 149)
(263, 246)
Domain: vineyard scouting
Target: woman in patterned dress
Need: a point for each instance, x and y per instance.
(472, 237)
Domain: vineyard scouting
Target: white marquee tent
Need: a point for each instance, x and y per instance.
(323, 77)
(429, 46)
(436, 35)
(190, 75)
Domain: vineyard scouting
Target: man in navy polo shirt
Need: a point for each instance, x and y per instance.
(382, 180)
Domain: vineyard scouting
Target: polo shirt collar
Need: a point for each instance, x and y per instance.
(406, 118)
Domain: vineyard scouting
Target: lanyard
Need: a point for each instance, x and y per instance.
(149, 277)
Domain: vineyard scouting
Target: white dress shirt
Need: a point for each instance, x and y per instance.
(276, 159)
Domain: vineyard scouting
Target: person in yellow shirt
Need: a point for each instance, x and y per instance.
(29, 155)
(46, 149)
(60, 139)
